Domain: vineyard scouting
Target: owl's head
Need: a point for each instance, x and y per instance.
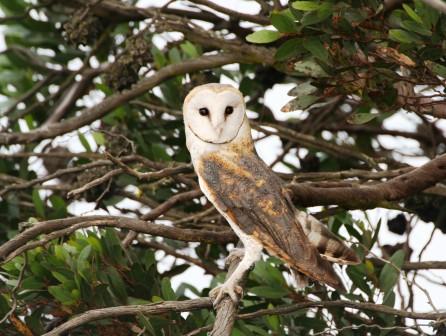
(214, 113)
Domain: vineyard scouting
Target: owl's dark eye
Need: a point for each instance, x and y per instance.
(204, 111)
(229, 110)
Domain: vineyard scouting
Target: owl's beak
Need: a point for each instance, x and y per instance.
(218, 124)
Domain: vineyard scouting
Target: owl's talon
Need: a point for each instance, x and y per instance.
(218, 293)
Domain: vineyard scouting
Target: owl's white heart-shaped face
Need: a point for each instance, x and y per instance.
(214, 113)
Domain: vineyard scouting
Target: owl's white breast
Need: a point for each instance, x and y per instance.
(197, 147)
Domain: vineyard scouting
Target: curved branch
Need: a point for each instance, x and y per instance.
(114, 221)
(206, 303)
(365, 196)
(152, 308)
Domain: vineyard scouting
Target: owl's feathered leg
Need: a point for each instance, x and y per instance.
(252, 253)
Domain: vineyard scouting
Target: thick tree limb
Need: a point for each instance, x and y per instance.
(227, 309)
(114, 221)
(149, 309)
(206, 303)
(364, 196)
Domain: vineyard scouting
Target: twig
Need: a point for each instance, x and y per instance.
(95, 182)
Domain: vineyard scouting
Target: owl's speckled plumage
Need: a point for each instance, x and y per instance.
(249, 195)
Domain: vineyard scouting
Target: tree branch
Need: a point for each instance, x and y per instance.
(206, 303)
(17, 245)
(370, 196)
(346, 304)
(227, 309)
(152, 309)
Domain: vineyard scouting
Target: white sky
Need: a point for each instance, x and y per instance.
(269, 148)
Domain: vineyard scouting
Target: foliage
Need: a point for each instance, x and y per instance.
(78, 131)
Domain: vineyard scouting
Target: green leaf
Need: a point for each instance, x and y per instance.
(320, 15)
(436, 68)
(306, 5)
(389, 299)
(190, 49)
(357, 275)
(84, 142)
(302, 89)
(4, 306)
(310, 68)
(174, 55)
(316, 48)
(59, 207)
(117, 284)
(299, 103)
(166, 290)
(59, 276)
(416, 28)
(99, 138)
(82, 261)
(289, 48)
(375, 234)
(62, 294)
(269, 292)
(38, 203)
(429, 14)
(390, 272)
(283, 23)
(263, 36)
(265, 272)
(403, 36)
(158, 57)
(273, 320)
(361, 118)
(144, 321)
(414, 16)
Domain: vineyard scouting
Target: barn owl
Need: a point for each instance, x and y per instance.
(250, 196)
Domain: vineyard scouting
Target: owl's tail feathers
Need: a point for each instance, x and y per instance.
(330, 246)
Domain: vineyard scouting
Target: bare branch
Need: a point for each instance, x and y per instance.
(369, 196)
(112, 221)
(206, 303)
(148, 309)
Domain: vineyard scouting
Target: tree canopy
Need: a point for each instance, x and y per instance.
(101, 218)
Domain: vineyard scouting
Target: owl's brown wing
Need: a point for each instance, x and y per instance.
(252, 196)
